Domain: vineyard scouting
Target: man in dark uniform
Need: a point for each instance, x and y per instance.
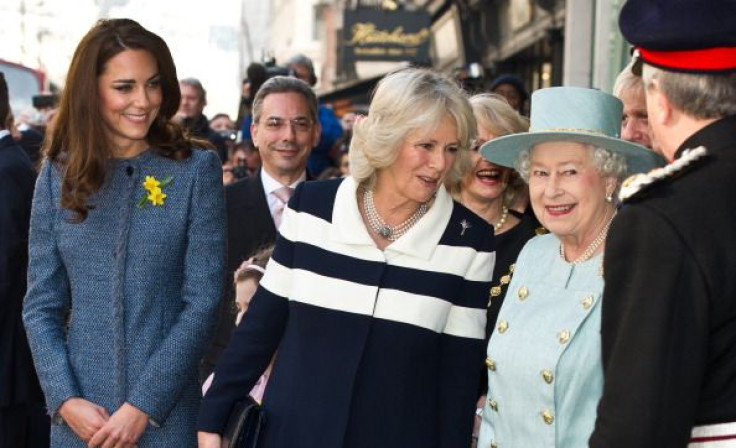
(669, 306)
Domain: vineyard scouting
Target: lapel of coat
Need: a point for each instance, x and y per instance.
(420, 241)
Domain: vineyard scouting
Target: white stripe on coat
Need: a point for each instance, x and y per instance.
(445, 259)
(423, 311)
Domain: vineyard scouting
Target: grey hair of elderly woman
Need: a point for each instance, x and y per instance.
(406, 101)
(607, 163)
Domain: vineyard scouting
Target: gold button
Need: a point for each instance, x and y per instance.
(564, 336)
(512, 267)
(548, 416)
(491, 364)
(523, 293)
(493, 404)
(587, 302)
(548, 376)
(496, 291)
(505, 279)
(494, 444)
(503, 326)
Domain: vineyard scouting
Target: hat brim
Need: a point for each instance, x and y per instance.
(505, 150)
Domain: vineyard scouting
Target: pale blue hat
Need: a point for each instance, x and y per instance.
(573, 114)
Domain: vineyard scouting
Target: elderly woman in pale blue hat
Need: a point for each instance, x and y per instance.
(544, 356)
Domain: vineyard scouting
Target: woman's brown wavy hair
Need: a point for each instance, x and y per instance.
(78, 142)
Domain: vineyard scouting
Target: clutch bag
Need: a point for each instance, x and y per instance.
(244, 425)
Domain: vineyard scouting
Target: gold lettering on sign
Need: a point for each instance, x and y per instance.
(367, 33)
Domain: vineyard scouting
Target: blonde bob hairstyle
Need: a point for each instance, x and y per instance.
(406, 101)
(494, 114)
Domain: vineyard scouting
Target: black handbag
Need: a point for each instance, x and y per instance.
(244, 425)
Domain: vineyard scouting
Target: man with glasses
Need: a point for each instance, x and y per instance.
(331, 129)
(284, 130)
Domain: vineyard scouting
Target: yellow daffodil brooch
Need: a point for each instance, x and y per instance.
(154, 191)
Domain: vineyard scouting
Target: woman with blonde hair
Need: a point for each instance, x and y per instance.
(375, 294)
(490, 191)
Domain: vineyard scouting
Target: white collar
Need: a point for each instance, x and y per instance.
(4, 133)
(420, 241)
(270, 184)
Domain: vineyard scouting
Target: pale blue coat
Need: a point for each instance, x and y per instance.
(545, 375)
(140, 287)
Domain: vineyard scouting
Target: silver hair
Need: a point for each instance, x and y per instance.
(627, 80)
(607, 163)
(194, 82)
(703, 96)
(285, 84)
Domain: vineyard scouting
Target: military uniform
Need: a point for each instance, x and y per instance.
(669, 306)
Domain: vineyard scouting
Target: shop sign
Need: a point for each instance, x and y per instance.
(376, 35)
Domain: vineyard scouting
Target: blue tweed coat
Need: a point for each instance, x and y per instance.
(140, 289)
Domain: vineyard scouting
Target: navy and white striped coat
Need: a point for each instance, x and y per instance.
(375, 348)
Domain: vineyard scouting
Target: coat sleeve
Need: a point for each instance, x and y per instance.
(258, 335)
(47, 300)
(462, 351)
(13, 239)
(179, 353)
(654, 333)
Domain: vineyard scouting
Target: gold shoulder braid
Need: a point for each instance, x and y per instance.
(633, 184)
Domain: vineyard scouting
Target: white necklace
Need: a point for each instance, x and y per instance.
(391, 233)
(592, 247)
(504, 214)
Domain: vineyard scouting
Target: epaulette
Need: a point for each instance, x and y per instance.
(638, 182)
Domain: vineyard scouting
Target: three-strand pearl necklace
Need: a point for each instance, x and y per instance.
(391, 233)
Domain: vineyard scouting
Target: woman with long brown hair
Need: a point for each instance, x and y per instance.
(126, 250)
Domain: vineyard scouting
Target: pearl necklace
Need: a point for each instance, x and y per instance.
(502, 221)
(590, 250)
(391, 233)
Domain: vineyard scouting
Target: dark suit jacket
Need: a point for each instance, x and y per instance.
(249, 228)
(18, 381)
(668, 326)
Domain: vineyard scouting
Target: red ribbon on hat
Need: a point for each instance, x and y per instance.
(703, 60)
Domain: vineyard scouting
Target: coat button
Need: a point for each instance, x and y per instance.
(491, 364)
(548, 416)
(493, 404)
(494, 444)
(564, 336)
(548, 376)
(496, 291)
(523, 293)
(503, 326)
(587, 302)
